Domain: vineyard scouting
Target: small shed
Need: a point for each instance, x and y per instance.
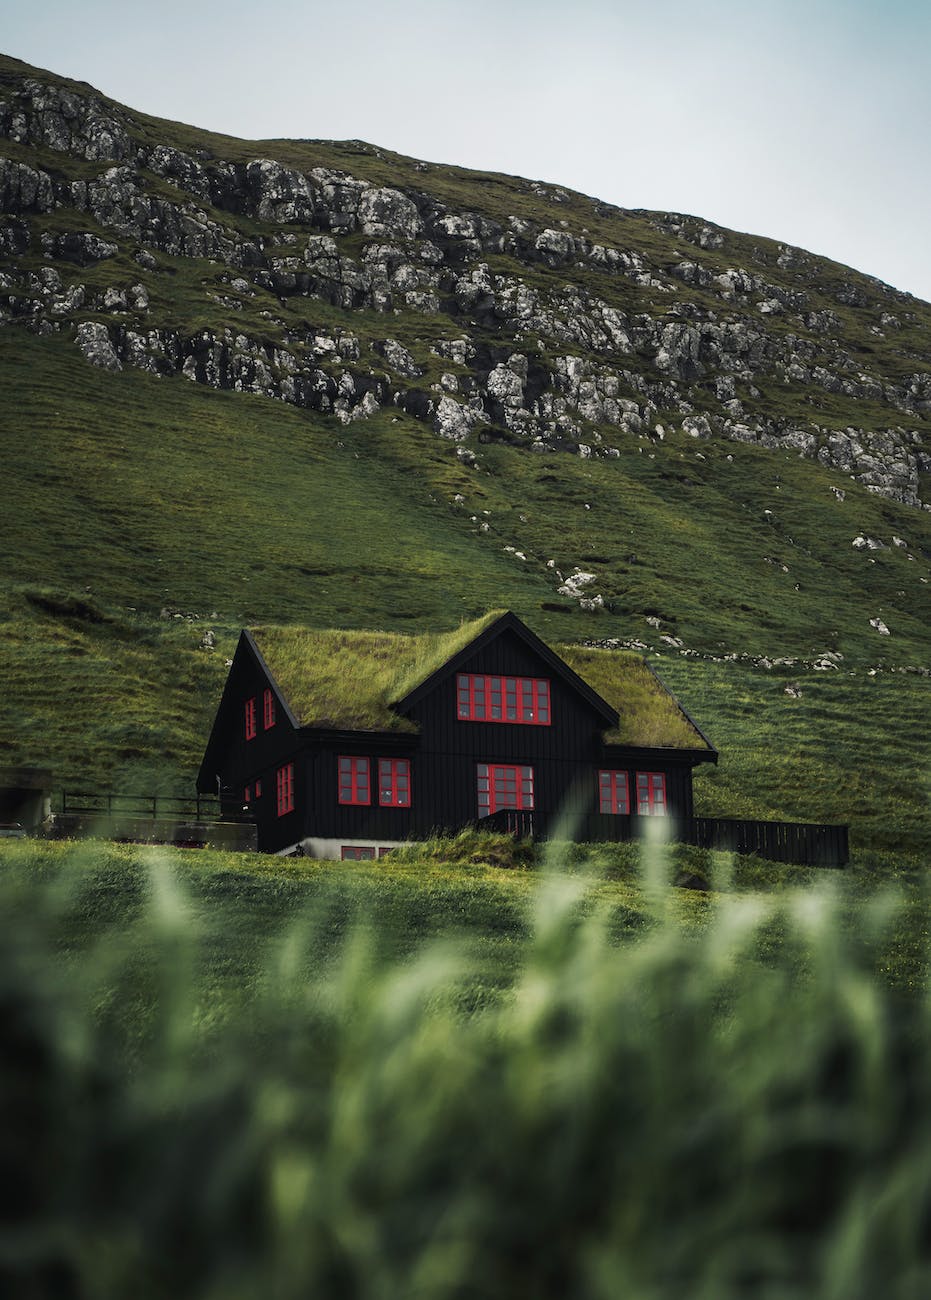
(25, 796)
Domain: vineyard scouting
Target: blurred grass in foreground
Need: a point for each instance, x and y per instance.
(302, 1095)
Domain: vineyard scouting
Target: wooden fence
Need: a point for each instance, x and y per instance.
(509, 821)
(805, 843)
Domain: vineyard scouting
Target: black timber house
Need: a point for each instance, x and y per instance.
(345, 744)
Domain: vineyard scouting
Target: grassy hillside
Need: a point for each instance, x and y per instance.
(141, 511)
(154, 492)
(132, 495)
(849, 748)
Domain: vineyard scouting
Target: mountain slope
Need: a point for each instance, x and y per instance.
(316, 382)
(431, 323)
(612, 317)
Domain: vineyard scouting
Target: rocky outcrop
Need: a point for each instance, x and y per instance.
(93, 339)
(81, 247)
(25, 189)
(545, 334)
(117, 200)
(52, 117)
(230, 360)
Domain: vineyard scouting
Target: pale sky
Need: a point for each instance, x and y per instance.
(804, 120)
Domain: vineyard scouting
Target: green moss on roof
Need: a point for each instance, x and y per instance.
(349, 680)
(648, 714)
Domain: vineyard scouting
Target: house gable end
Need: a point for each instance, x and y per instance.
(248, 672)
(280, 696)
(509, 623)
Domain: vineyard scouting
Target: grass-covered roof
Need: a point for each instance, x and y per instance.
(648, 714)
(333, 678)
(350, 680)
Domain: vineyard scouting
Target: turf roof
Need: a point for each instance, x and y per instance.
(648, 714)
(349, 680)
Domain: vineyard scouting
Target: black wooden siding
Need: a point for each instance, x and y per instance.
(565, 756)
(451, 749)
(243, 762)
(328, 818)
(676, 766)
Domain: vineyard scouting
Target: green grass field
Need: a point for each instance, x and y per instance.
(234, 1076)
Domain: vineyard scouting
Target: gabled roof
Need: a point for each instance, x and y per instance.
(507, 622)
(366, 681)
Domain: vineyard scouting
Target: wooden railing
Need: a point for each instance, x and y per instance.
(509, 821)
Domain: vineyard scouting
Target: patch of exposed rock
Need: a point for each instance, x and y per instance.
(93, 339)
(55, 118)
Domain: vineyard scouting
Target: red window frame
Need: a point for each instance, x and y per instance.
(503, 785)
(356, 853)
(285, 784)
(354, 780)
(485, 697)
(394, 782)
(651, 794)
(268, 709)
(613, 792)
(250, 719)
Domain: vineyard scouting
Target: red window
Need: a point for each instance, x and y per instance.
(502, 786)
(285, 781)
(354, 781)
(247, 794)
(651, 794)
(394, 783)
(258, 789)
(503, 699)
(613, 793)
(356, 853)
(268, 709)
(250, 719)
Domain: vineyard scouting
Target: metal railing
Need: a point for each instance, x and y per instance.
(200, 807)
(196, 821)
